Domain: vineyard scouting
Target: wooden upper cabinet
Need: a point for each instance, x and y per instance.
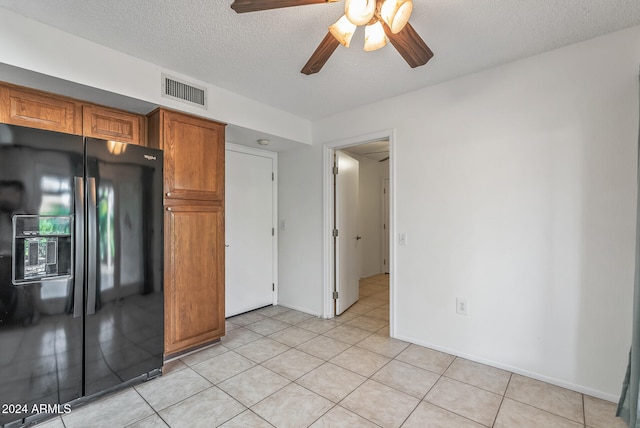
(42, 110)
(34, 109)
(115, 125)
(193, 155)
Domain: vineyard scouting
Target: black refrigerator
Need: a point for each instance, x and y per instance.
(81, 256)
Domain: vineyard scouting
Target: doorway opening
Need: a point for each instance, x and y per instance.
(359, 274)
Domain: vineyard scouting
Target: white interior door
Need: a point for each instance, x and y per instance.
(347, 266)
(249, 233)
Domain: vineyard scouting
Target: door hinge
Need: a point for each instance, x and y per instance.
(273, 286)
(273, 176)
(335, 170)
(384, 262)
(273, 231)
(335, 295)
(335, 233)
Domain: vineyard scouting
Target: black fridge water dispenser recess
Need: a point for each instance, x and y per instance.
(42, 248)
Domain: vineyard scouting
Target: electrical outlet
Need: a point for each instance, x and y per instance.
(461, 306)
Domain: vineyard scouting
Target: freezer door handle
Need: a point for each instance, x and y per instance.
(78, 277)
(92, 246)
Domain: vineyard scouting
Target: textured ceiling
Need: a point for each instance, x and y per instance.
(376, 150)
(260, 54)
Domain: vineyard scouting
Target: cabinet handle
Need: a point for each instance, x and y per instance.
(168, 208)
(168, 194)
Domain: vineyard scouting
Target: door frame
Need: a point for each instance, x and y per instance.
(327, 176)
(386, 219)
(274, 203)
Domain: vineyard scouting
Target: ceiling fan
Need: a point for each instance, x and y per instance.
(383, 20)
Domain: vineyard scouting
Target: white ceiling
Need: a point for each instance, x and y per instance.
(260, 54)
(376, 150)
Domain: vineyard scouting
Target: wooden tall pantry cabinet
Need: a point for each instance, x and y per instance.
(194, 227)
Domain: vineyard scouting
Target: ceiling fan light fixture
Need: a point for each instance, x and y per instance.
(343, 30)
(374, 37)
(396, 13)
(360, 12)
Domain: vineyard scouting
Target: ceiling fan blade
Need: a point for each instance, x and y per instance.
(410, 45)
(242, 6)
(321, 55)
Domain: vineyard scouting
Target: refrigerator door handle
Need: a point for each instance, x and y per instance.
(92, 246)
(78, 277)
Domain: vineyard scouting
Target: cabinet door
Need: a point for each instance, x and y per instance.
(35, 110)
(114, 125)
(194, 157)
(194, 276)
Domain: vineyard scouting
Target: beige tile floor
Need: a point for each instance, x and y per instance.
(278, 367)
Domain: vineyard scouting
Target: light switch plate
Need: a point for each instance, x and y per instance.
(403, 239)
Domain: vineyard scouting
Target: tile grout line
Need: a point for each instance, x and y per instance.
(295, 380)
(351, 345)
(290, 381)
(370, 377)
(442, 375)
(504, 394)
(184, 399)
(150, 406)
(335, 404)
(386, 364)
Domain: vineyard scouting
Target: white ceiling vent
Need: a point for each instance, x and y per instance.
(183, 91)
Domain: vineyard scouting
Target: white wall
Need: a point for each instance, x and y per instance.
(300, 247)
(517, 189)
(33, 46)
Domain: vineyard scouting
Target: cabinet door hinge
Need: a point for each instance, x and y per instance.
(273, 231)
(273, 286)
(335, 295)
(335, 233)
(273, 176)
